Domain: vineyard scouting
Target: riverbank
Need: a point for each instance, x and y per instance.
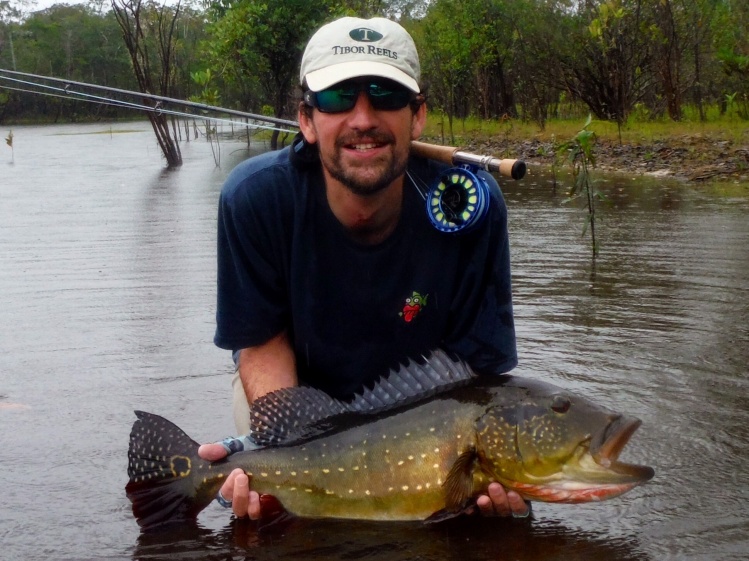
(717, 153)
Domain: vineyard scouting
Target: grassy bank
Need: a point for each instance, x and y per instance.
(691, 150)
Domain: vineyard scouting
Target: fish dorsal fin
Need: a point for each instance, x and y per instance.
(290, 415)
(413, 382)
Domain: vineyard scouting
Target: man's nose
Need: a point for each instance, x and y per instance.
(363, 115)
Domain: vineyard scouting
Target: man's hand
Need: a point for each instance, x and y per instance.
(499, 502)
(236, 488)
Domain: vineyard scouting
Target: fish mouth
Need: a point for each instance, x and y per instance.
(607, 445)
(595, 472)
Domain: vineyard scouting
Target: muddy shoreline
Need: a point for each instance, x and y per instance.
(694, 159)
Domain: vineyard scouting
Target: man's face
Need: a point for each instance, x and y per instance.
(364, 149)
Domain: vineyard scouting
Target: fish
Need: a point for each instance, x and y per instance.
(420, 444)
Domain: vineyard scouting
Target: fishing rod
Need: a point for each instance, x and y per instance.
(157, 110)
(69, 84)
(458, 202)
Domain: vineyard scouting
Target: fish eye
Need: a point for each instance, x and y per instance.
(561, 404)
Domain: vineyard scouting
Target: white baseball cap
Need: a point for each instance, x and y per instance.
(353, 47)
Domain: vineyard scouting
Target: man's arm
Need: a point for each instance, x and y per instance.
(267, 367)
(262, 369)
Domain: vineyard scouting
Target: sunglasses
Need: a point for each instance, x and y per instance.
(383, 95)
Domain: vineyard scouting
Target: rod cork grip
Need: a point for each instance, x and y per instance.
(442, 154)
(512, 168)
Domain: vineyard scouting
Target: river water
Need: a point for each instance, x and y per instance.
(107, 290)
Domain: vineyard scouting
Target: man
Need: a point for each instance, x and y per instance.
(329, 270)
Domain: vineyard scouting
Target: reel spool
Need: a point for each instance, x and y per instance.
(459, 201)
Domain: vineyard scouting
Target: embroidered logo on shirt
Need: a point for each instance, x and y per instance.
(414, 304)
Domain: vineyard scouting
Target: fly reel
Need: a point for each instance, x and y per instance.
(459, 201)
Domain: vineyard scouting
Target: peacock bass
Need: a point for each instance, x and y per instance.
(420, 445)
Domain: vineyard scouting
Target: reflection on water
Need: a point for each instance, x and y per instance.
(107, 289)
(474, 539)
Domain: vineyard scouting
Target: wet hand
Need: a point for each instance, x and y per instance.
(236, 489)
(244, 502)
(498, 502)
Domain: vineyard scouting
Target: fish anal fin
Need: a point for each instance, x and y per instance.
(458, 485)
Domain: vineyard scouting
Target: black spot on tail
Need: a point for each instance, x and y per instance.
(162, 466)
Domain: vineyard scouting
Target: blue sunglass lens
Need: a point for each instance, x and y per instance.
(343, 97)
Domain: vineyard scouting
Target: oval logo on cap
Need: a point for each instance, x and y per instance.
(365, 35)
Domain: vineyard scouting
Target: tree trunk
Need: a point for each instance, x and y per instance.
(129, 17)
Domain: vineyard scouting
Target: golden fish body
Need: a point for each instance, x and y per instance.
(393, 468)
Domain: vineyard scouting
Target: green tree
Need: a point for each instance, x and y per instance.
(256, 47)
(446, 57)
(541, 30)
(732, 51)
(607, 66)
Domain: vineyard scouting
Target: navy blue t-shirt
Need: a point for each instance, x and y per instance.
(354, 311)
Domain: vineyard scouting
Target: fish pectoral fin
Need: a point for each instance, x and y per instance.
(444, 514)
(459, 483)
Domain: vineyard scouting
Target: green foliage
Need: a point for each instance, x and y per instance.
(255, 48)
(539, 60)
(207, 95)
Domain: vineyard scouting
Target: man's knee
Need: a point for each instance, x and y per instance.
(240, 406)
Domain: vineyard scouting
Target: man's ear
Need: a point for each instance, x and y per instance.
(419, 121)
(304, 116)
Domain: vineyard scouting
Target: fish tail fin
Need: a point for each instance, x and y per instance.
(169, 482)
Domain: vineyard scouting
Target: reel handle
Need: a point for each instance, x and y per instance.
(512, 168)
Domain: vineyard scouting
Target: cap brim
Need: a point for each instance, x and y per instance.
(326, 77)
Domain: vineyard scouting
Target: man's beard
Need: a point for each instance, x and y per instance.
(361, 185)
